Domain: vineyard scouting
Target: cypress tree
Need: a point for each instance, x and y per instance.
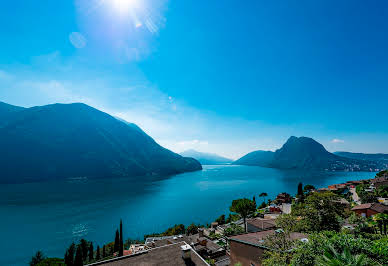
(300, 189)
(103, 251)
(300, 192)
(78, 261)
(98, 253)
(35, 260)
(85, 248)
(117, 241)
(121, 251)
(91, 252)
(69, 255)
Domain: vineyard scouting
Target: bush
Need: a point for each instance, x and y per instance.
(306, 253)
(51, 262)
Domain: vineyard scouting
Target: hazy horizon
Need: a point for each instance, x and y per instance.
(225, 78)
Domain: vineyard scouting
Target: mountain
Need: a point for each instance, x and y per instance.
(75, 140)
(7, 111)
(364, 156)
(206, 158)
(259, 158)
(306, 153)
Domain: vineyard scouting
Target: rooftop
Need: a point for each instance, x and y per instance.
(165, 255)
(373, 206)
(262, 223)
(257, 239)
(162, 241)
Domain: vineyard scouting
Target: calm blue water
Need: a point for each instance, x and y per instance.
(50, 215)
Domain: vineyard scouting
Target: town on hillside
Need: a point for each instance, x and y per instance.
(344, 223)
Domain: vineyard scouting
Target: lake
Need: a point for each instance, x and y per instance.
(48, 216)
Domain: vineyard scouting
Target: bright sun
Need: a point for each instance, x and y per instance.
(125, 5)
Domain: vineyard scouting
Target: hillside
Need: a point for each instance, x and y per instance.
(206, 158)
(7, 111)
(363, 156)
(306, 153)
(258, 158)
(75, 140)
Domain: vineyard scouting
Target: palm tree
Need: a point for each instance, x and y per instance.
(333, 258)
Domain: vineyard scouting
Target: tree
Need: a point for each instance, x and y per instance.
(117, 241)
(279, 245)
(263, 195)
(69, 255)
(300, 189)
(287, 222)
(91, 252)
(98, 253)
(244, 207)
(382, 173)
(233, 229)
(320, 212)
(78, 261)
(367, 197)
(85, 248)
(121, 250)
(103, 251)
(192, 229)
(300, 194)
(308, 188)
(307, 253)
(52, 262)
(382, 221)
(38, 257)
(221, 220)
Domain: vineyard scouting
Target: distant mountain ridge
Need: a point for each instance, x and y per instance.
(306, 153)
(258, 158)
(206, 158)
(363, 156)
(75, 140)
(7, 111)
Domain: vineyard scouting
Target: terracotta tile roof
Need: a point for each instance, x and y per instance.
(380, 208)
(362, 206)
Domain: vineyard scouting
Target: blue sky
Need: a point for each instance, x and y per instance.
(226, 76)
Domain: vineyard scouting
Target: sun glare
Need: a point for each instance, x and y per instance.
(125, 5)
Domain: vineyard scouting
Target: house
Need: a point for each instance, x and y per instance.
(248, 249)
(205, 247)
(179, 253)
(274, 208)
(353, 183)
(260, 224)
(370, 209)
(323, 189)
(283, 198)
(286, 208)
(383, 201)
(380, 181)
(208, 249)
